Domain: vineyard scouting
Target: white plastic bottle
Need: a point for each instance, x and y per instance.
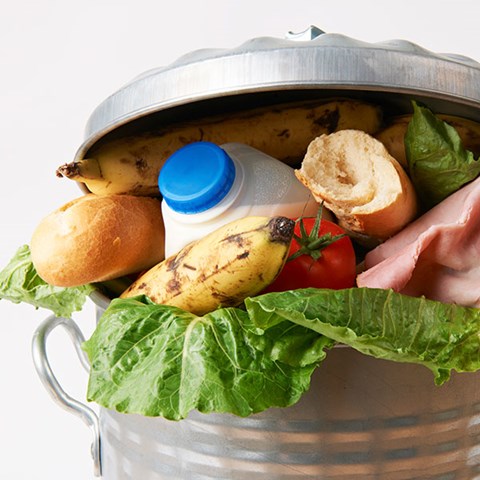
(205, 186)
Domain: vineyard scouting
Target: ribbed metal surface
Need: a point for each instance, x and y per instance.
(362, 419)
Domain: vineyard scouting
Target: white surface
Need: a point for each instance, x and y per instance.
(59, 60)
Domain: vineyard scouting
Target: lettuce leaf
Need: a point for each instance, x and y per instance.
(381, 323)
(20, 282)
(438, 163)
(157, 360)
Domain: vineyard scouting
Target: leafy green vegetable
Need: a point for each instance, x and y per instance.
(438, 163)
(381, 323)
(20, 282)
(157, 360)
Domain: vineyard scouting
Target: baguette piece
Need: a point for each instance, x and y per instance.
(96, 238)
(356, 178)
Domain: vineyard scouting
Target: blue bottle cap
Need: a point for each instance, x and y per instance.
(196, 177)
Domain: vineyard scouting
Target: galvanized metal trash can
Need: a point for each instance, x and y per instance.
(362, 418)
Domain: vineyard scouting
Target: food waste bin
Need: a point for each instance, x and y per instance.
(362, 418)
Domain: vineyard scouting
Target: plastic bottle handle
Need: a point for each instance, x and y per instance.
(49, 381)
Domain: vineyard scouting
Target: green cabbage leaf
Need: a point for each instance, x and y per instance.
(157, 360)
(438, 163)
(20, 282)
(383, 324)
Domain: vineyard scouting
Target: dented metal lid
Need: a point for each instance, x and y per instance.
(312, 64)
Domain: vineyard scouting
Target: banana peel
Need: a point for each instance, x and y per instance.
(235, 261)
(130, 165)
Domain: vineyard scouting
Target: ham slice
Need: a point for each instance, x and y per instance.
(437, 256)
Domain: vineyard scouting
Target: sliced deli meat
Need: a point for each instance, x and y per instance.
(437, 256)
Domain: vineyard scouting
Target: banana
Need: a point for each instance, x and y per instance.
(393, 135)
(131, 164)
(235, 261)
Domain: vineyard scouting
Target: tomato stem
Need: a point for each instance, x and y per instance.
(310, 243)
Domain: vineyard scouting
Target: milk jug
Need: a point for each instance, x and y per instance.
(205, 186)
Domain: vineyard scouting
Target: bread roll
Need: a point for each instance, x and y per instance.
(95, 238)
(360, 182)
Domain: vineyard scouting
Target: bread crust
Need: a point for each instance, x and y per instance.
(98, 237)
(356, 178)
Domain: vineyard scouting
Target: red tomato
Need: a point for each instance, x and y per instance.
(318, 259)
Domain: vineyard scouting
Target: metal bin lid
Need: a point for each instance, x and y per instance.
(266, 70)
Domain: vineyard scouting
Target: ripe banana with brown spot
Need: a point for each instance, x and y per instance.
(235, 261)
(393, 135)
(131, 165)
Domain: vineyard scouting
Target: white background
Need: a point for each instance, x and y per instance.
(58, 61)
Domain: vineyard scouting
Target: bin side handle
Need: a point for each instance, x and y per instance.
(49, 381)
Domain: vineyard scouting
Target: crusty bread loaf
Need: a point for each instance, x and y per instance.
(360, 182)
(95, 238)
